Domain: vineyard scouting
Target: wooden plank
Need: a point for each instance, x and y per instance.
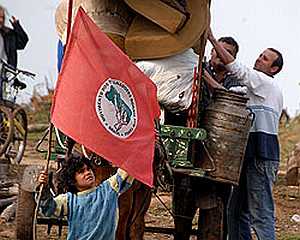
(7, 201)
(168, 231)
(26, 175)
(8, 174)
(150, 229)
(160, 13)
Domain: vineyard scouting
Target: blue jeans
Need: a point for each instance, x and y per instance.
(251, 204)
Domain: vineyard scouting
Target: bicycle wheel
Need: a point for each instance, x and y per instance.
(16, 147)
(6, 128)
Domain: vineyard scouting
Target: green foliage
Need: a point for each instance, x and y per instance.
(290, 237)
(288, 136)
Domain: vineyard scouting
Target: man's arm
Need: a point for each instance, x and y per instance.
(21, 35)
(212, 83)
(255, 81)
(225, 56)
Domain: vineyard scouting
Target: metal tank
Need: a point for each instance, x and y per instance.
(227, 122)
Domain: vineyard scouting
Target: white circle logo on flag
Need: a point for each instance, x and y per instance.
(116, 108)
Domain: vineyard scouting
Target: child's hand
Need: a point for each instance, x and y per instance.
(43, 177)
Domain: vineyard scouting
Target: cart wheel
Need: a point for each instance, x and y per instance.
(24, 216)
(16, 147)
(6, 128)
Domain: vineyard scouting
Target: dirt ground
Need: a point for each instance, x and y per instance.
(287, 201)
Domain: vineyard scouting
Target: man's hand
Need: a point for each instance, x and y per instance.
(43, 177)
(13, 20)
(223, 54)
(212, 83)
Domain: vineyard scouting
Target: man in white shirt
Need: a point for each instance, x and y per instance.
(252, 202)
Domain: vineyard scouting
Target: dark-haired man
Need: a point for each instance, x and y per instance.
(217, 76)
(218, 69)
(252, 203)
(191, 193)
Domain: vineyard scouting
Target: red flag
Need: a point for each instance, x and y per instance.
(103, 101)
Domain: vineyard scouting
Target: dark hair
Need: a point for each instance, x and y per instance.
(278, 62)
(66, 176)
(230, 41)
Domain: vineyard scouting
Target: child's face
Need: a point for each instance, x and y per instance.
(85, 178)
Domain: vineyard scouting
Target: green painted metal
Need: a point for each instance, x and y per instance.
(178, 141)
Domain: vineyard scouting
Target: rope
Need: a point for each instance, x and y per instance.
(170, 212)
(165, 206)
(42, 186)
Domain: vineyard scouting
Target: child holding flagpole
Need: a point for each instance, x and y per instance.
(92, 211)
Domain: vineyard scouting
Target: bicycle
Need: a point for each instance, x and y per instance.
(13, 118)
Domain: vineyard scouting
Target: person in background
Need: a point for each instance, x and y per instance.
(11, 40)
(252, 202)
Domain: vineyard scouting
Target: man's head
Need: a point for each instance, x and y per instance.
(76, 174)
(2, 16)
(269, 62)
(230, 45)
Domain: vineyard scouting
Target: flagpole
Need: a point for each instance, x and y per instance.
(69, 24)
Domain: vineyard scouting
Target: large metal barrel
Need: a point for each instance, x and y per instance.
(227, 122)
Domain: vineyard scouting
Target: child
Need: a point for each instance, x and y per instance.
(92, 211)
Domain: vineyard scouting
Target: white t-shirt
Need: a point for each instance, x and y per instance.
(2, 51)
(173, 77)
(265, 97)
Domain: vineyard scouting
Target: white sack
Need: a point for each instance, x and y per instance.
(173, 77)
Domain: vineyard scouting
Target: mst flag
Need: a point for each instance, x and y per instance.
(103, 101)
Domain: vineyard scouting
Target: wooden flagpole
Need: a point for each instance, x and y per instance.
(69, 24)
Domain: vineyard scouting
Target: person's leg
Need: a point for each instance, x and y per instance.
(226, 191)
(184, 206)
(210, 222)
(125, 208)
(245, 229)
(238, 214)
(141, 202)
(261, 177)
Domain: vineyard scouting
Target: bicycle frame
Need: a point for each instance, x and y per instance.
(14, 145)
(9, 76)
(19, 127)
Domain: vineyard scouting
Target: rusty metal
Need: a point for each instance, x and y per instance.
(227, 122)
